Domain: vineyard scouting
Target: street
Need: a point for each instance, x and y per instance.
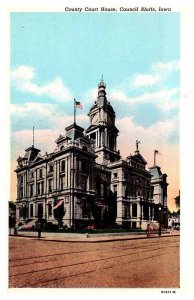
(145, 263)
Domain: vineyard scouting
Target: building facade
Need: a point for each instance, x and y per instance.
(85, 181)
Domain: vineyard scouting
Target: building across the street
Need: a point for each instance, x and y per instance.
(85, 181)
(174, 221)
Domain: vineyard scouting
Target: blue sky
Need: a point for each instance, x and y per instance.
(56, 57)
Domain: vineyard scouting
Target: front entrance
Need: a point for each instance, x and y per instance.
(40, 211)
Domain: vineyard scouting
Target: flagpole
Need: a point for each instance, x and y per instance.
(74, 111)
(154, 157)
(33, 137)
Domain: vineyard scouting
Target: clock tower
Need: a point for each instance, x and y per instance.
(102, 129)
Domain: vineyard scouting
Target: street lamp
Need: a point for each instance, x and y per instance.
(160, 229)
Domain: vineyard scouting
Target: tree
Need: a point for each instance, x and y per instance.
(12, 214)
(177, 200)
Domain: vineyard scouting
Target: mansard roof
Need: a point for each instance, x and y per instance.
(74, 126)
(31, 153)
(138, 158)
(157, 173)
(61, 139)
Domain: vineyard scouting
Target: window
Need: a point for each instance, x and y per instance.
(40, 173)
(31, 210)
(49, 209)
(126, 191)
(31, 190)
(21, 179)
(115, 190)
(50, 185)
(63, 166)
(62, 182)
(134, 210)
(84, 167)
(50, 167)
(21, 192)
(84, 210)
(42, 187)
(84, 183)
(38, 188)
(115, 175)
(125, 211)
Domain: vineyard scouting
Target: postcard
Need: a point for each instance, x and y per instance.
(95, 192)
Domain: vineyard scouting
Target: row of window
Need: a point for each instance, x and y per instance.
(40, 186)
(50, 169)
(84, 169)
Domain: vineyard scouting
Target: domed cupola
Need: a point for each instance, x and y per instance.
(101, 99)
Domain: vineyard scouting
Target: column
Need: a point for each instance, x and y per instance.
(119, 212)
(52, 208)
(102, 136)
(131, 210)
(58, 175)
(105, 137)
(149, 212)
(138, 210)
(35, 182)
(24, 185)
(142, 213)
(54, 176)
(152, 213)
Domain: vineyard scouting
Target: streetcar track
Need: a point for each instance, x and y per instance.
(82, 251)
(45, 282)
(86, 262)
(126, 247)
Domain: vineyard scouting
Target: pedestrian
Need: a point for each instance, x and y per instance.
(148, 230)
(16, 229)
(39, 229)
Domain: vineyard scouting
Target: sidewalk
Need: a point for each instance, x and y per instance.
(90, 238)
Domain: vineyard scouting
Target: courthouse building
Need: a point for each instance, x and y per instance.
(86, 180)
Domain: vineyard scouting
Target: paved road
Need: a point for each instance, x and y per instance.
(144, 263)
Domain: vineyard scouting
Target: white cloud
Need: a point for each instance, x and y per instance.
(23, 73)
(118, 95)
(32, 108)
(164, 99)
(157, 133)
(159, 73)
(165, 67)
(23, 79)
(44, 115)
(141, 80)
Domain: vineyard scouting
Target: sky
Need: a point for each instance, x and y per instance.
(56, 57)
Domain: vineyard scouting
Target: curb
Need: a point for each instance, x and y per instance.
(87, 240)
